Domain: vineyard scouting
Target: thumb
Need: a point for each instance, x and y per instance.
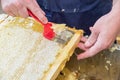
(92, 38)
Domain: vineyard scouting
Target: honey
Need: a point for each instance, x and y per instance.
(27, 23)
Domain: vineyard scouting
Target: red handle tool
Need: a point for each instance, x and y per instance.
(48, 31)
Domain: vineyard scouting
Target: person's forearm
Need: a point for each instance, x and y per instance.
(116, 9)
(115, 14)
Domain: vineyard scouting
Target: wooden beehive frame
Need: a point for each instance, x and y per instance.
(64, 54)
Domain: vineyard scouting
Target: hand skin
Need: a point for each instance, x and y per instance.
(19, 8)
(103, 33)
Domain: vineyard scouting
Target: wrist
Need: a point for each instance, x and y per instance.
(114, 15)
(116, 9)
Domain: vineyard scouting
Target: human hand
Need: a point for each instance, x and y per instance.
(103, 34)
(19, 8)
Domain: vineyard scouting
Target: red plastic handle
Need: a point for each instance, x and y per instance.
(48, 31)
(32, 15)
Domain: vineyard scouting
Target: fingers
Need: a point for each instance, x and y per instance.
(101, 44)
(83, 39)
(23, 12)
(19, 8)
(8, 11)
(91, 51)
(103, 41)
(35, 2)
(14, 9)
(34, 7)
(92, 38)
(82, 46)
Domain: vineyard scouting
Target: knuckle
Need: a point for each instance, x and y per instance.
(95, 32)
(18, 5)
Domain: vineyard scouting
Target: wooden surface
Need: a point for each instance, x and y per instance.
(103, 66)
